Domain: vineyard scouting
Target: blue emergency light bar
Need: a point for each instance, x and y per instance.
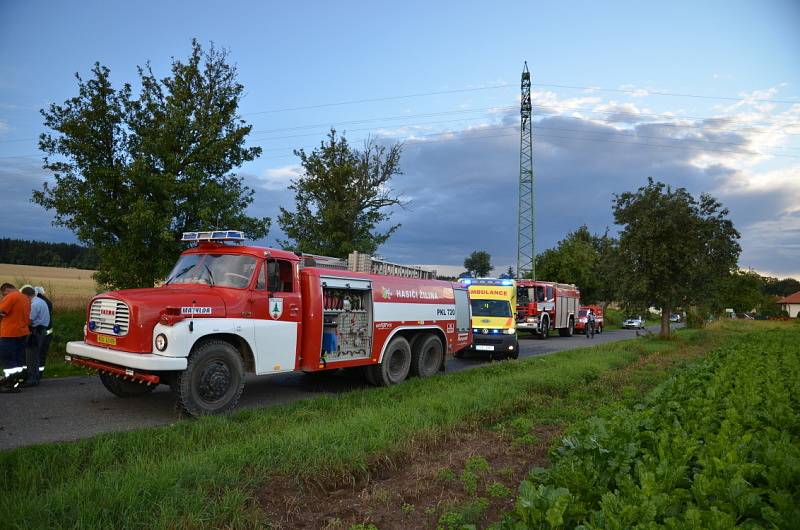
(487, 281)
(218, 235)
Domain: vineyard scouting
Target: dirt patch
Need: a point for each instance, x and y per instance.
(472, 475)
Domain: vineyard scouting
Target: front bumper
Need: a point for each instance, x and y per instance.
(494, 342)
(140, 361)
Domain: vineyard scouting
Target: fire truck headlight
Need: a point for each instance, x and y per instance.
(532, 319)
(161, 342)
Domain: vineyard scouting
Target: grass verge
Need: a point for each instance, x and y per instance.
(206, 473)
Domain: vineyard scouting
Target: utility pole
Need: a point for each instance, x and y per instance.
(526, 248)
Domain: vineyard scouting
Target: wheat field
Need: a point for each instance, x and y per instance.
(67, 288)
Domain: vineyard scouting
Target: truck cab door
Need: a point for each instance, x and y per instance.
(278, 316)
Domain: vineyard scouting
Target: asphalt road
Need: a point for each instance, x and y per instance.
(71, 408)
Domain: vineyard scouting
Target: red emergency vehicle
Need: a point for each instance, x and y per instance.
(580, 324)
(547, 306)
(228, 309)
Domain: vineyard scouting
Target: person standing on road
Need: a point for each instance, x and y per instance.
(15, 313)
(45, 347)
(40, 322)
(590, 323)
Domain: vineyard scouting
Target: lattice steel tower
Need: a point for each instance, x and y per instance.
(527, 212)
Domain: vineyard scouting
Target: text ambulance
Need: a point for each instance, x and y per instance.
(494, 329)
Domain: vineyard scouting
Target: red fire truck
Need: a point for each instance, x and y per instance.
(228, 309)
(546, 306)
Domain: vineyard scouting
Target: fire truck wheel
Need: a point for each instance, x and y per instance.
(427, 355)
(569, 330)
(213, 380)
(395, 366)
(120, 387)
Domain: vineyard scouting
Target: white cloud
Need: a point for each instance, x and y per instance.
(279, 178)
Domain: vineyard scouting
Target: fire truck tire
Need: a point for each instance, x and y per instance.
(395, 365)
(213, 380)
(427, 354)
(569, 330)
(121, 388)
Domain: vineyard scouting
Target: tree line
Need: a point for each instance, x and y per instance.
(24, 252)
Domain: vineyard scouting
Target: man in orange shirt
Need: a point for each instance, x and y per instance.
(15, 319)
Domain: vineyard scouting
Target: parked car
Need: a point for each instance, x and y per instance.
(636, 322)
(675, 317)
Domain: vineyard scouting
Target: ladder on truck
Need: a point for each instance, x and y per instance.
(360, 262)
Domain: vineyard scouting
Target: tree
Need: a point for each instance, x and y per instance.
(341, 197)
(478, 263)
(132, 173)
(673, 248)
(739, 290)
(586, 260)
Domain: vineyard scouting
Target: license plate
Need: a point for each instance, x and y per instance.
(103, 339)
(484, 347)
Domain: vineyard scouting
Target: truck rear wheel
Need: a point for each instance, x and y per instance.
(395, 365)
(122, 388)
(213, 380)
(427, 355)
(569, 330)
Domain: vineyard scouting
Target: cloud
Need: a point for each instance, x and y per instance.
(279, 178)
(464, 183)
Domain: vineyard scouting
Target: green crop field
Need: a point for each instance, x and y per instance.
(716, 446)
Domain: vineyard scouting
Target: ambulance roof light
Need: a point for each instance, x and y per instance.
(217, 235)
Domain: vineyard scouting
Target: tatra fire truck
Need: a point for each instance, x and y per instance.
(543, 307)
(227, 309)
(494, 329)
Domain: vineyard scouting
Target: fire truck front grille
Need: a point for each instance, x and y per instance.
(110, 316)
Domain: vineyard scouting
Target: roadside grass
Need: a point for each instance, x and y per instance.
(205, 473)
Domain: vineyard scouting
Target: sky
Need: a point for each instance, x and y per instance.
(704, 95)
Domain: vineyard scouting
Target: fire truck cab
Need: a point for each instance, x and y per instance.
(547, 306)
(227, 309)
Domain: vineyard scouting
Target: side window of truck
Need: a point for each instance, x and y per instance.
(550, 296)
(277, 276)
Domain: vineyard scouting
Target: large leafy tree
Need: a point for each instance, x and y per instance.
(342, 196)
(478, 263)
(673, 248)
(133, 172)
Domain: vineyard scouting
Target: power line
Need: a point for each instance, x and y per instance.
(372, 100)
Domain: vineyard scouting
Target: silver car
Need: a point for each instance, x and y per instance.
(636, 322)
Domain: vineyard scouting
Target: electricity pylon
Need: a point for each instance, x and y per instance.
(526, 248)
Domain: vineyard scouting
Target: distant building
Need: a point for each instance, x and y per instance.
(791, 304)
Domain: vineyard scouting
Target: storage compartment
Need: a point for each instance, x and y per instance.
(347, 324)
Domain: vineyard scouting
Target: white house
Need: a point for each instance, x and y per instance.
(791, 304)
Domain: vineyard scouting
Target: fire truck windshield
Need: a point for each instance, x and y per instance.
(491, 308)
(222, 270)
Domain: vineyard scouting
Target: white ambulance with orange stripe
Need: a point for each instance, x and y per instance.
(228, 309)
(494, 328)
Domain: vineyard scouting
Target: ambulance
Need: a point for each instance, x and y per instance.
(494, 329)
